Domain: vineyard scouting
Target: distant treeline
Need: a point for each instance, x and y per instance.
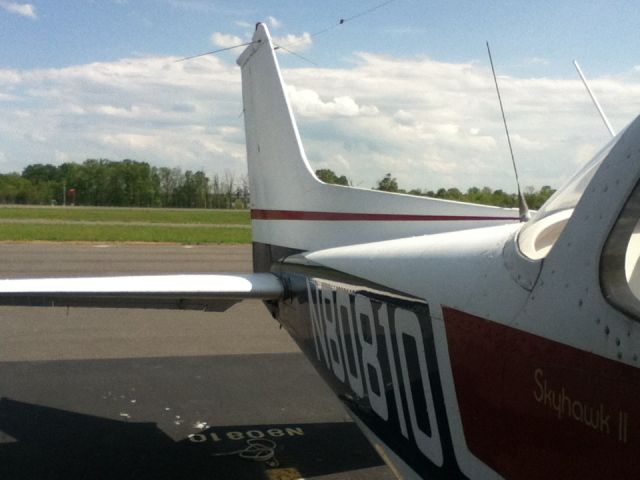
(122, 183)
(129, 183)
(486, 196)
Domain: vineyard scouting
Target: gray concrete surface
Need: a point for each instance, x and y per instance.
(106, 393)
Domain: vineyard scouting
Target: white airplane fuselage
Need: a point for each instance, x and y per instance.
(463, 343)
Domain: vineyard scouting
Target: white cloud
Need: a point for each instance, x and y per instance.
(297, 43)
(24, 9)
(308, 103)
(61, 157)
(537, 61)
(224, 40)
(146, 108)
(435, 118)
(134, 141)
(274, 22)
(5, 97)
(431, 124)
(404, 118)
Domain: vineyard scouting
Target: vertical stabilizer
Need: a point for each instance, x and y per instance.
(274, 151)
(291, 210)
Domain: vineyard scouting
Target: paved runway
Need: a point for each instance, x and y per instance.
(105, 393)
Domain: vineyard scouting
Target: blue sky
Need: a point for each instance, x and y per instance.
(63, 94)
(67, 32)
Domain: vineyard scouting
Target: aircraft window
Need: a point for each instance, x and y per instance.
(541, 232)
(620, 263)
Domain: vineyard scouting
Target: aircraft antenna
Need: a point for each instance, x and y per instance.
(594, 100)
(342, 21)
(339, 23)
(522, 203)
(295, 54)
(213, 52)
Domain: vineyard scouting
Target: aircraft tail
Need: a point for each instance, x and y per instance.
(293, 211)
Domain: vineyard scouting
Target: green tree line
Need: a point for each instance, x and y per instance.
(101, 182)
(486, 196)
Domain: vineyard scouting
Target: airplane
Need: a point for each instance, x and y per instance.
(463, 342)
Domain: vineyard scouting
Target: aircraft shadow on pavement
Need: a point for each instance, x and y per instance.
(38, 442)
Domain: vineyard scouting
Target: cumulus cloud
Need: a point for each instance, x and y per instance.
(274, 22)
(308, 103)
(297, 43)
(61, 157)
(24, 9)
(7, 98)
(431, 124)
(224, 40)
(434, 118)
(537, 61)
(148, 109)
(404, 118)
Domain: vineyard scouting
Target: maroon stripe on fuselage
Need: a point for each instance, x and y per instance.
(368, 217)
(535, 408)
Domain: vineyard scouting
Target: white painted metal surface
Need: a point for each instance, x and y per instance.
(471, 271)
(568, 304)
(445, 269)
(204, 291)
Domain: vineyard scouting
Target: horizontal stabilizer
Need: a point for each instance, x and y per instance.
(209, 292)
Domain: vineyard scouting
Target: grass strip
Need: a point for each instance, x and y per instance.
(124, 214)
(122, 233)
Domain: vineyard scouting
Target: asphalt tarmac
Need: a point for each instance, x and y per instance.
(143, 394)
